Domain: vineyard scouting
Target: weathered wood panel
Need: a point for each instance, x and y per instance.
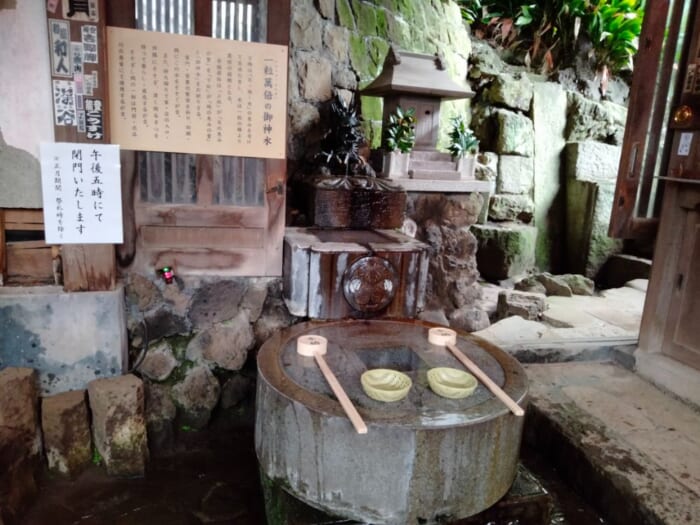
(24, 220)
(687, 332)
(126, 250)
(643, 95)
(29, 262)
(208, 261)
(163, 236)
(275, 195)
(88, 267)
(215, 216)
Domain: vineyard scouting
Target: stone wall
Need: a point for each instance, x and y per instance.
(193, 341)
(341, 45)
(536, 217)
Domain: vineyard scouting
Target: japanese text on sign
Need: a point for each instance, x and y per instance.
(82, 193)
(192, 94)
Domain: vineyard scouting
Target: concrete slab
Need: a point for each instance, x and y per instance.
(625, 444)
(576, 327)
(69, 338)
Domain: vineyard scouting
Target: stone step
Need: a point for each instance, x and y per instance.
(66, 427)
(435, 174)
(430, 155)
(444, 165)
(20, 441)
(118, 424)
(624, 445)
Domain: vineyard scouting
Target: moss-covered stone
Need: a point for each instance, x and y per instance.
(377, 49)
(365, 17)
(398, 31)
(382, 28)
(372, 108)
(505, 250)
(516, 135)
(360, 59)
(345, 14)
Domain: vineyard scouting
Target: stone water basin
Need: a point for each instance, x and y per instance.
(425, 459)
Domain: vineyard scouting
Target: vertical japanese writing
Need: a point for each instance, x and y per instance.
(133, 104)
(88, 34)
(155, 84)
(81, 192)
(122, 81)
(268, 75)
(78, 195)
(77, 57)
(209, 96)
(166, 94)
(59, 32)
(188, 100)
(249, 100)
(94, 119)
(58, 188)
(96, 185)
(219, 99)
(143, 59)
(201, 95)
(64, 102)
(239, 98)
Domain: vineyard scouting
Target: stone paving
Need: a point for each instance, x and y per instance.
(626, 446)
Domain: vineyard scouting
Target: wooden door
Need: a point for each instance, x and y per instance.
(682, 338)
(427, 120)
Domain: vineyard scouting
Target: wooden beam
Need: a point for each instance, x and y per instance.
(202, 17)
(279, 22)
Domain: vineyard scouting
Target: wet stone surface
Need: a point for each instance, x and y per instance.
(217, 482)
(214, 482)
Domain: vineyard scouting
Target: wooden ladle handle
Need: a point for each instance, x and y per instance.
(448, 337)
(350, 410)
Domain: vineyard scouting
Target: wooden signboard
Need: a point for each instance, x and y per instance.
(192, 94)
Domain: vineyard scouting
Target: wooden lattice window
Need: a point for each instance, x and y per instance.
(203, 213)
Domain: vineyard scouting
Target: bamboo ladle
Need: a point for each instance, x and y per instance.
(440, 336)
(316, 346)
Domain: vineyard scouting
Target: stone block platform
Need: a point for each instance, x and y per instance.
(624, 446)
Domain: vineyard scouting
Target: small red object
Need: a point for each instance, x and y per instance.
(167, 273)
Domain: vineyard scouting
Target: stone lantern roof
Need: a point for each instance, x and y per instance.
(406, 73)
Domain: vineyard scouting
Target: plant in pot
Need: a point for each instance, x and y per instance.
(347, 194)
(463, 147)
(399, 139)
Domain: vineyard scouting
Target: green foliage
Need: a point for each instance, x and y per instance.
(462, 139)
(96, 457)
(340, 147)
(400, 132)
(549, 33)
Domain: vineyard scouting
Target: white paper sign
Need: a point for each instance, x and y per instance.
(81, 185)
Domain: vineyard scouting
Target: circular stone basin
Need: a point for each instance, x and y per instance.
(425, 458)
